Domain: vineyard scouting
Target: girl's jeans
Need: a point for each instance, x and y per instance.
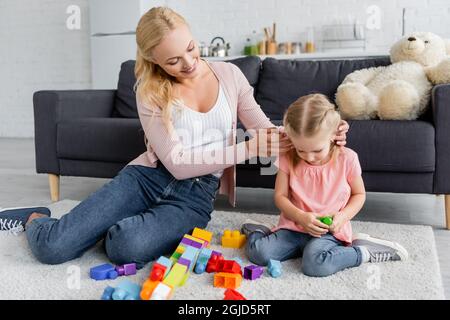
(141, 214)
(321, 257)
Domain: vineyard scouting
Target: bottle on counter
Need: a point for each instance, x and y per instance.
(251, 45)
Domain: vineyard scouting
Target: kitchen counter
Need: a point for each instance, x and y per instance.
(328, 55)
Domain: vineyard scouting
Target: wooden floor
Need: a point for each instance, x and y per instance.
(20, 185)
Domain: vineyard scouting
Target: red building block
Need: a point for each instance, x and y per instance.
(231, 294)
(158, 271)
(213, 263)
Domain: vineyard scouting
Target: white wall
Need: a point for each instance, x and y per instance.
(235, 19)
(38, 52)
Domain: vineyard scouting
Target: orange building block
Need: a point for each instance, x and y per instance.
(227, 280)
(147, 289)
(233, 239)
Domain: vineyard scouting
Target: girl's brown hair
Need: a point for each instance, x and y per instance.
(308, 116)
(153, 85)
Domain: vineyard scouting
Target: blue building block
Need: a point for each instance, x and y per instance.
(127, 290)
(107, 293)
(202, 260)
(104, 271)
(165, 262)
(274, 268)
(191, 254)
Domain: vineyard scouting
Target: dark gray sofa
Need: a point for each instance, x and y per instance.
(94, 133)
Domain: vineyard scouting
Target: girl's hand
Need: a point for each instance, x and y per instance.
(338, 222)
(341, 135)
(311, 224)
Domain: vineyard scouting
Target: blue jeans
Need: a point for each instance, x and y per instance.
(141, 214)
(321, 257)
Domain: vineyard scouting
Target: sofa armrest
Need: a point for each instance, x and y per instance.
(54, 106)
(441, 119)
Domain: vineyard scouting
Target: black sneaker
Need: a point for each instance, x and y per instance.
(250, 226)
(14, 219)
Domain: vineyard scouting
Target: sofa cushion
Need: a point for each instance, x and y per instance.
(125, 102)
(281, 82)
(393, 146)
(100, 139)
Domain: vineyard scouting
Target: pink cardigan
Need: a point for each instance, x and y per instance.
(169, 150)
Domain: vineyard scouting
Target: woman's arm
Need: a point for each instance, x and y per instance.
(185, 164)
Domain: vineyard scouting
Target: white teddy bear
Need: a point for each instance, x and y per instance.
(400, 91)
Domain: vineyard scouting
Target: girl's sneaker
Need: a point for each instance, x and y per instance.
(14, 219)
(250, 226)
(379, 250)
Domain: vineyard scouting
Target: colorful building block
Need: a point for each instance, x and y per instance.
(176, 275)
(227, 280)
(126, 290)
(162, 291)
(126, 269)
(253, 272)
(328, 220)
(231, 294)
(147, 289)
(158, 272)
(202, 234)
(239, 260)
(196, 242)
(229, 266)
(165, 262)
(103, 272)
(213, 263)
(233, 239)
(274, 268)
(107, 293)
(202, 260)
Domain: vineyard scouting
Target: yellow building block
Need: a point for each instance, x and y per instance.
(180, 249)
(233, 239)
(186, 277)
(202, 234)
(227, 280)
(176, 275)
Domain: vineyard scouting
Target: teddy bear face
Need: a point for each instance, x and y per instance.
(425, 48)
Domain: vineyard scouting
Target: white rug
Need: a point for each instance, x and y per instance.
(23, 277)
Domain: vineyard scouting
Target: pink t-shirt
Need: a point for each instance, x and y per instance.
(321, 189)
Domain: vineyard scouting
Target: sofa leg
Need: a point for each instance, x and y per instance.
(447, 211)
(53, 180)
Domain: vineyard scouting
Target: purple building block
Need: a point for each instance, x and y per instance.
(186, 241)
(126, 269)
(184, 261)
(253, 272)
(102, 272)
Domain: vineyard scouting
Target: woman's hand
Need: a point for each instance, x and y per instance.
(311, 224)
(341, 135)
(339, 220)
(268, 142)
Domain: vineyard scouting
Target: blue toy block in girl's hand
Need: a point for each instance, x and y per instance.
(103, 272)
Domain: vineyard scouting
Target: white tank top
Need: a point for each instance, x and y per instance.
(204, 131)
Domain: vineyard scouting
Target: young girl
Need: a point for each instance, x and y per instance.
(317, 179)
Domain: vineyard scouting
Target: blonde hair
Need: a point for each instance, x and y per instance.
(153, 85)
(307, 116)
